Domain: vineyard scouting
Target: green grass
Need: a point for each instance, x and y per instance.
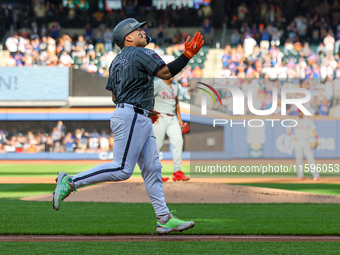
(247, 248)
(31, 170)
(317, 188)
(23, 217)
(24, 190)
(8, 170)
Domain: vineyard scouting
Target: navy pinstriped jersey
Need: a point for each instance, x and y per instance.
(131, 76)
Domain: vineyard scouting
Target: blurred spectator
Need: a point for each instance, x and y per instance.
(69, 142)
(67, 43)
(54, 29)
(36, 44)
(36, 61)
(99, 46)
(292, 31)
(11, 62)
(276, 38)
(83, 141)
(65, 59)
(91, 54)
(108, 40)
(265, 39)
(51, 45)
(3, 139)
(235, 38)
(249, 44)
(56, 137)
(80, 44)
(197, 72)
(129, 7)
(40, 13)
(93, 141)
(18, 58)
(104, 142)
(306, 51)
(91, 68)
(324, 107)
(329, 42)
(61, 128)
(88, 32)
(207, 26)
(43, 44)
(12, 43)
(242, 11)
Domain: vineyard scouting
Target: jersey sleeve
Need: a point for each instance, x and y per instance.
(110, 84)
(149, 60)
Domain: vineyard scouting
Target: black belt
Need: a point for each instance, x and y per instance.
(137, 110)
(141, 111)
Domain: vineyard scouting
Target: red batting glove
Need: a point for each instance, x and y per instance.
(154, 116)
(192, 47)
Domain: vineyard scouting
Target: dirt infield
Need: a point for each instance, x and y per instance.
(169, 238)
(198, 190)
(190, 192)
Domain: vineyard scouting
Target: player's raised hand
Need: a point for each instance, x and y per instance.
(193, 46)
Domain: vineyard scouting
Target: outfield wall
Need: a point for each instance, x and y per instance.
(225, 143)
(241, 141)
(52, 87)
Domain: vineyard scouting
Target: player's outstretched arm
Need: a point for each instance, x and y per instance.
(192, 47)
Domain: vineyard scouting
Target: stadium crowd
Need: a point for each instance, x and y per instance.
(268, 50)
(58, 139)
(267, 42)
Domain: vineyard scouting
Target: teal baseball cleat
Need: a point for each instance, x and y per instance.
(64, 188)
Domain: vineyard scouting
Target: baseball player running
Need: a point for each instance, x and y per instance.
(302, 133)
(169, 123)
(131, 82)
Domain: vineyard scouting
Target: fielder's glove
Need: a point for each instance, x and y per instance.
(192, 47)
(185, 128)
(314, 144)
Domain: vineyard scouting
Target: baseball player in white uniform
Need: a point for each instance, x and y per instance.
(131, 83)
(304, 131)
(169, 123)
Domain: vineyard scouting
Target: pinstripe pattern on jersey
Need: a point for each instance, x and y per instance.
(136, 86)
(122, 165)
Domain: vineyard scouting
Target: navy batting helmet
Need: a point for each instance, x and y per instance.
(124, 28)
